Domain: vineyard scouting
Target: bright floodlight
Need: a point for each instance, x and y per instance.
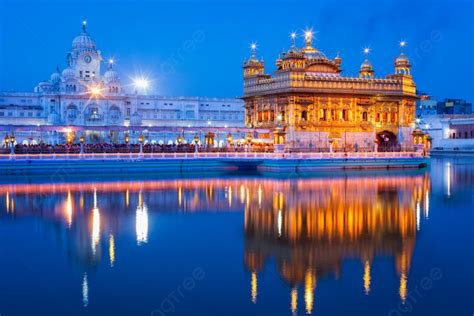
(95, 90)
(403, 44)
(111, 61)
(366, 51)
(141, 83)
(293, 35)
(253, 46)
(308, 33)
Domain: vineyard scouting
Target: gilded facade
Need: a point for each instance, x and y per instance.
(316, 106)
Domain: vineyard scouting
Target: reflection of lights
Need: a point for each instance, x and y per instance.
(294, 300)
(68, 209)
(242, 193)
(179, 196)
(309, 291)
(418, 210)
(85, 290)
(254, 287)
(127, 198)
(279, 223)
(260, 196)
(7, 202)
(229, 195)
(95, 224)
(141, 221)
(403, 288)
(427, 205)
(112, 250)
(447, 178)
(367, 277)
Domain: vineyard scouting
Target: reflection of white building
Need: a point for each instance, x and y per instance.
(84, 99)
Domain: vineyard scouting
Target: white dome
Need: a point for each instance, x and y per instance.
(83, 40)
(111, 76)
(68, 73)
(55, 77)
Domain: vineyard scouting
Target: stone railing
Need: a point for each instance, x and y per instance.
(218, 155)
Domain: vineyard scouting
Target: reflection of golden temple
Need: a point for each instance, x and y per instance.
(311, 226)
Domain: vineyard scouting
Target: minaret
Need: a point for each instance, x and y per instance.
(366, 70)
(402, 64)
(253, 67)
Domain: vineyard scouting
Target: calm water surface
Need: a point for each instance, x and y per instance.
(384, 243)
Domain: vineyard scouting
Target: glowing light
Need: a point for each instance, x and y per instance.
(309, 291)
(260, 196)
(447, 177)
(403, 44)
(254, 287)
(68, 209)
(95, 91)
(366, 51)
(141, 83)
(403, 288)
(95, 224)
(294, 300)
(418, 215)
(112, 250)
(279, 117)
(209, 122)
(427, 126)
(279, 223)
(427, 205)
(85, 291)
(367, 277)
(141, 222)
(308, 34)
(293, 35)
(253, 46)
(417, 120)
(111, 61)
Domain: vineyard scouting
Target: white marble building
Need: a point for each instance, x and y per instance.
(87, 101)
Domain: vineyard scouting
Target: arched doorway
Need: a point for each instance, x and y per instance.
(387, 141)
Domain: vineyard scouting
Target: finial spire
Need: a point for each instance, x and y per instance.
(308, 37)
(402, 46)
(253, 47)
(84, 25)
(293, 40)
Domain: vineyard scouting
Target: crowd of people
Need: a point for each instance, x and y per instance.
(126, 148)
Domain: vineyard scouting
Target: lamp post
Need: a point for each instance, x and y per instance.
(140, 140)
(196, 141)
(248, 138)
(229, 140)
(12, 144)
(7, 141)
(81, 141)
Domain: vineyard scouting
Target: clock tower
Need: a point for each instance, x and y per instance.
(84, 58)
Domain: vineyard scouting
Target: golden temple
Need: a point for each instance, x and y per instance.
(309, 103)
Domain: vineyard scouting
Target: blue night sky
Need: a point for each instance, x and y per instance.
(197, 47)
